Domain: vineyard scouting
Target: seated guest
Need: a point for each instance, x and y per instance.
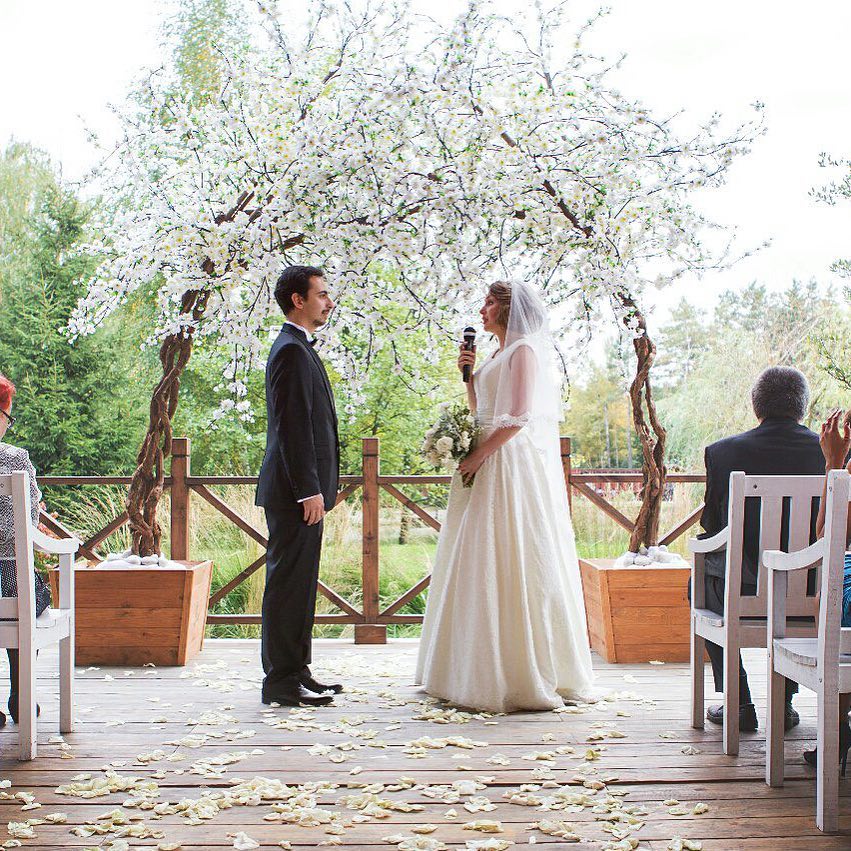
(836, 445)
(780, 445)
(12, 458)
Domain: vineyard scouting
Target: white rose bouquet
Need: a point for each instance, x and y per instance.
(452, 437)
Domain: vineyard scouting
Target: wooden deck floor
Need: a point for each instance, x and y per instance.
(192, 757)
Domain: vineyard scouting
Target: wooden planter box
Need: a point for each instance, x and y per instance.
(636, 614)
(134, 615)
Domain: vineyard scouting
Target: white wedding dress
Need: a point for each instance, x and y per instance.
(505, 627)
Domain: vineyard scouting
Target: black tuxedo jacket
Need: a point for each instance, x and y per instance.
(777, 447)
(302, 445)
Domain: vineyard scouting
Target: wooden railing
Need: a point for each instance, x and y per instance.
(370, 620)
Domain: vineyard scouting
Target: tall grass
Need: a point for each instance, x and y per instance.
(401, 565)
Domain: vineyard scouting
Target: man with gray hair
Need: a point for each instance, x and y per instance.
(779, 446)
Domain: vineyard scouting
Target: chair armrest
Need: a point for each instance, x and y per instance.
(66, 582)
(57, 546)
(799, 560)
(46, 544)
(709, 545)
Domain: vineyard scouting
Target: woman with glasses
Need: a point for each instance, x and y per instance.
(13, 458)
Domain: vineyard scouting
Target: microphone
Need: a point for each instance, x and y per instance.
(469, 345)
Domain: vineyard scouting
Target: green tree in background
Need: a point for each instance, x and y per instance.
(599, 420)
(75, 405)
(750, 330)
(201, 33)
(684, 343)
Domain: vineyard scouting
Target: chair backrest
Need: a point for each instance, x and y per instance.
(832, 574)
(16, 486)
(797, 495)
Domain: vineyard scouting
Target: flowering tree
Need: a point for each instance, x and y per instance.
(834, 346)
(410, 161)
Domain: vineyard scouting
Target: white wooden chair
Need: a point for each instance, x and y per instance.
(21, 629)
(822, 663)
(744, 622)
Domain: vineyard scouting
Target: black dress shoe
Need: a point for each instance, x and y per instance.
(791, 718)
(309, 683)
(811, 757)
(13, 708)
(295, 696)
(747, 716)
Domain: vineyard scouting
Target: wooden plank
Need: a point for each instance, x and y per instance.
(683, 526)
(61, 531)
(159, 654)
(376, 717)
(370, 546)
(652, 595)
(626, 616)
(196, 618)
(609, 510)
(337, 600)
(237, 580)
(409, 595)
(256, 618)
(181, 457)
(412, 506)
(124, 618)
(632, 476)
(192, 481)
(609, 645)
(637, 633)
(106, 531)
(234, 516)
(345, 493)
(591, 594)
(183, 633)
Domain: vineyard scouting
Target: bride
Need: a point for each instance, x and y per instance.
(504, 627)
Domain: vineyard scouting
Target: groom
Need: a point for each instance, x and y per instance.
(297, 486)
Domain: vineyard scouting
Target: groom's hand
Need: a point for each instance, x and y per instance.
(314, 510)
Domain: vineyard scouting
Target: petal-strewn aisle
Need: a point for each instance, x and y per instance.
(170, 758)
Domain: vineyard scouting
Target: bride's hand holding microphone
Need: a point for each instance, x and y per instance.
(467, 355)
(466, 365)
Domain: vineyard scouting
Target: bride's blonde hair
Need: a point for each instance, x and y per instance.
(501, 291)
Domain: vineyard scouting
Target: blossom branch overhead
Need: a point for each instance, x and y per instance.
(411, 161)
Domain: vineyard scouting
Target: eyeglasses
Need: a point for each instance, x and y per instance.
(8, 417)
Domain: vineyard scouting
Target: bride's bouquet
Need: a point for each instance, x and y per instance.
(452, 437)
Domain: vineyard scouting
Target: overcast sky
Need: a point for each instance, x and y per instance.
(63, 63)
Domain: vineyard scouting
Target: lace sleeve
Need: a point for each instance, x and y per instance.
(514, 405)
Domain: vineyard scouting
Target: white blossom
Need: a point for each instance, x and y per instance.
(414, 164)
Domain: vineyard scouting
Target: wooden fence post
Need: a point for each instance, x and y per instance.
(565, 463)
(370, 632)
(180, 468)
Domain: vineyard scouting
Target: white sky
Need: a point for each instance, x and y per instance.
(62, 64)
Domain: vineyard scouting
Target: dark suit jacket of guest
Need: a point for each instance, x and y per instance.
(777, 447)
(302, 445)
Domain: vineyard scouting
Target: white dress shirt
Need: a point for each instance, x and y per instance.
(310, 337)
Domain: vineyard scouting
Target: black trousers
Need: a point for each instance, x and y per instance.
(715, 586)
(289, 599)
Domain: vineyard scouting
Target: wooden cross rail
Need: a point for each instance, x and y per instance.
(370, 620)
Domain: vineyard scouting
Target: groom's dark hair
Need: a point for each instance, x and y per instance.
(295, 279)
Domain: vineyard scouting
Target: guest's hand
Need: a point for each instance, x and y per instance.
(470, 465)
(314, 510)
(466, 357)
(835, 440)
